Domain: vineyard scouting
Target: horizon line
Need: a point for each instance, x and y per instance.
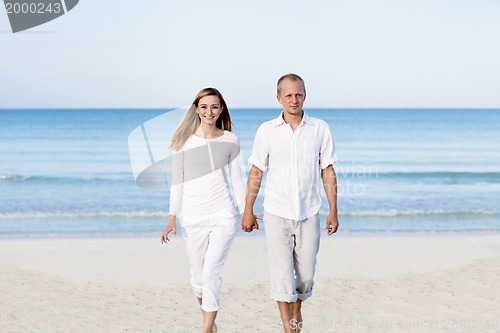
(259, 108)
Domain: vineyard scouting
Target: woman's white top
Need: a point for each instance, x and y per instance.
(199, 176)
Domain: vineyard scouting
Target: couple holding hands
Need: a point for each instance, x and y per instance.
(297, 151)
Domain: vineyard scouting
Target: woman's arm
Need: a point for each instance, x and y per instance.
(235, 175)
(176, 189)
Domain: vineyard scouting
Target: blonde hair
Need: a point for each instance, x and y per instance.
(191, 120)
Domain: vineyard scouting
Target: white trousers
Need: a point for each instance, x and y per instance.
(208, 240)
(292, 248)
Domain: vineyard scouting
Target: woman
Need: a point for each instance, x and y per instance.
(204, 147)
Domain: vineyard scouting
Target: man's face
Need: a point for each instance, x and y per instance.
(291, 97)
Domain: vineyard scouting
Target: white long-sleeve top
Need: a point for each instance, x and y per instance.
(199, 182)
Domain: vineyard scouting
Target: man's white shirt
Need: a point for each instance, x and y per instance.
(293, 161)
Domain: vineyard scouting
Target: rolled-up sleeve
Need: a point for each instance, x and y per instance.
(260, 151)
(328, 155)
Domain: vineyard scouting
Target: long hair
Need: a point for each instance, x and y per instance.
(191, 120)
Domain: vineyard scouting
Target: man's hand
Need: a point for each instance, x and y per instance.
(249, 222)
(330, 185)
(332, 223)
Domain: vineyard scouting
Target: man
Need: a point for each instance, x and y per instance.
(295, 149)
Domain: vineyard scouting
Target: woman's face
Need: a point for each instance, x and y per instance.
(209, 110)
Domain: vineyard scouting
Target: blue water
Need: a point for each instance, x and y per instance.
(400, 170)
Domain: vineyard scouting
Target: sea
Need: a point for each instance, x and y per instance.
(67, 172)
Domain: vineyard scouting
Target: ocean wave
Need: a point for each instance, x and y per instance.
(361, 174)
(61, 179)
(436, 175)
(382, 213)
(82, 215)
(416, 212)
(6, 178)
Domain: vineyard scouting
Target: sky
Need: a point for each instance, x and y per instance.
(351, 54)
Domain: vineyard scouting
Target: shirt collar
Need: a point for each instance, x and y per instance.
(280, 121)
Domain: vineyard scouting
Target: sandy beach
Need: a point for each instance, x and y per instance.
(364, 283)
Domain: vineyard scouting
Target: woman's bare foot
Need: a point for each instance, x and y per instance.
(214, 325)
(213, 329)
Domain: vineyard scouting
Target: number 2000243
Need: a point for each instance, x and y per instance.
(33, 8)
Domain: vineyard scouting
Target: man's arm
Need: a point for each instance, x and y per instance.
(330, 185)
(248, 221)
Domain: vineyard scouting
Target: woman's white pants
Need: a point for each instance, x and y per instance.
(208, 240)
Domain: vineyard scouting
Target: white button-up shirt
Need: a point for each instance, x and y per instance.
(293, 161)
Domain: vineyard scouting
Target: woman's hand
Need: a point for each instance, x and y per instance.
(171, 227)
(249, 222)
